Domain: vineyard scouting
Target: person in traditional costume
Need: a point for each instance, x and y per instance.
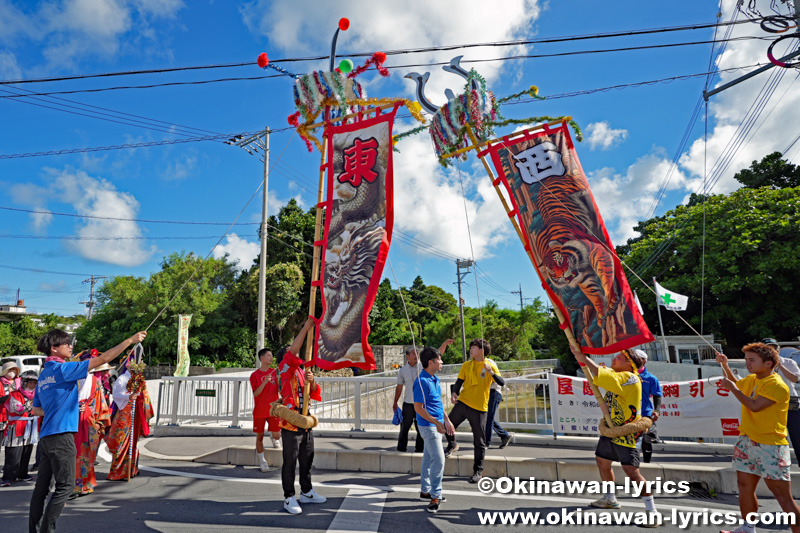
(9, 382)
(94, 417)
(22, 431)
(127, 426)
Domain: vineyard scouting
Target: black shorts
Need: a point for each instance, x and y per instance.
(615, 452)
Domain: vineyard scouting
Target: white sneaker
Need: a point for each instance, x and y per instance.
(291, 506)
(264, 466)
(276, 443)
(605, 503)
(312, 497)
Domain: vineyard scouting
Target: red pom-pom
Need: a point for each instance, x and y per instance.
(344, 23)
(379, 57)
(263, 60)
(294, 119)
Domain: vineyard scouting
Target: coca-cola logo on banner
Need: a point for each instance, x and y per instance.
(730, 426)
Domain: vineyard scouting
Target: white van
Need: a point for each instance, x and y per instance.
(26, 362)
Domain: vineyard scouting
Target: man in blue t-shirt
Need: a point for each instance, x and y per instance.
(56, 400)
(650, 408)
(433, 423)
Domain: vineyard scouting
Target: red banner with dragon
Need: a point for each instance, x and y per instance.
(567, 239)
(358, 231)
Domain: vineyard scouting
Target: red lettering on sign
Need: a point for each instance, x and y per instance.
(565, 386)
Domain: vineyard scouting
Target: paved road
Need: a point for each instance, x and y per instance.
(176, 496)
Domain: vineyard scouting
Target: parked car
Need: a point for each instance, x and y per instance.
(26, 362)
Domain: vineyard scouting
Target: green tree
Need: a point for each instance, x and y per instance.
(752, 256)
(772, 171)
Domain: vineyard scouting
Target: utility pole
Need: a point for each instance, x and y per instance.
(254, 144)
(465, 264)
(90, 304)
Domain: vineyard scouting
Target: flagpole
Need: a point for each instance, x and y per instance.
(660, 323)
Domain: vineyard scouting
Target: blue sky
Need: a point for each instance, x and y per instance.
(632, 134)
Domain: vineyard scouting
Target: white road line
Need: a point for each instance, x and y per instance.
(578, 502)
(361, 511)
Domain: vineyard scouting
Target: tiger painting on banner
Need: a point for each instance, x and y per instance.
(568, 240)
(356, 240)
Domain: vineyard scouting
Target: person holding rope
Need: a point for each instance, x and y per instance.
(762, 450)
(56, 400)
(472, 403)
(624, 400)
(298, 443)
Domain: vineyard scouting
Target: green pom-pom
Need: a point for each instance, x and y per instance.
(346, 66)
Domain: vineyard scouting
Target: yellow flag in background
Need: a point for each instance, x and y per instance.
(183, 346)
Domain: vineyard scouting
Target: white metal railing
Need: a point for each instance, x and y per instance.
(357, 401)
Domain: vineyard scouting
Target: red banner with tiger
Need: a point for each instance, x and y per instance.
(359, 211)
(566, 238)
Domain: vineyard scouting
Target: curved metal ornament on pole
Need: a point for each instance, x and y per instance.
(133, 434)
(567, 331)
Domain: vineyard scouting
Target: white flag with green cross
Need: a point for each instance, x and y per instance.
(671, 300)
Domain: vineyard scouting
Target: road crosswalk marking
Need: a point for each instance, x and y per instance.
(360, 511)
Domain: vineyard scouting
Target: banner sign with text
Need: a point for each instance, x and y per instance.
(358, 231)
(700, 408)
(567, 239)
(183, 346)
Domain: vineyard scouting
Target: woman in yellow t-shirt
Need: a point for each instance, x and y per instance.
(762, 449)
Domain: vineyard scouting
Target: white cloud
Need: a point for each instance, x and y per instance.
(179, 170)
(239, 250)
(307, 26)
(601, 135)
(72, 30)
(98, 197)
(36, 198)
(9, 69)
(772, 131)
(428, 200)
(429, 203)
(624, 200)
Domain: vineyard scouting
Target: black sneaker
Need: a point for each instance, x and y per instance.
(449, 450)
(26, 478)
(427, 496)
(505, 440)
(476, 477)
(433, 507)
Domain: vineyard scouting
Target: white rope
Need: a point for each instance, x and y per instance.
(471, 250)
(411, 329)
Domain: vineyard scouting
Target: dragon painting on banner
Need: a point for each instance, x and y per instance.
(358, 228)
(567, 239)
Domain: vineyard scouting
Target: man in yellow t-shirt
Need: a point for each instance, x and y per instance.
(762, 449)
(624, 401)
(472, 402)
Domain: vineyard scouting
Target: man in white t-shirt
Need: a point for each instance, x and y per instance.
(790, 373)
(405, 378)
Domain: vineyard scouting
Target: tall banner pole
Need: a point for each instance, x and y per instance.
(567, 331)
(315, 271)
(661, 324)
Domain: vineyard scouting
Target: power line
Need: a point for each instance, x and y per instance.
(40, 271)
(143, 220)
(228, 136)
(496, 44)
(406, 66)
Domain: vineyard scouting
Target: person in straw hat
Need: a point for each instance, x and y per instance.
(624, 401)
